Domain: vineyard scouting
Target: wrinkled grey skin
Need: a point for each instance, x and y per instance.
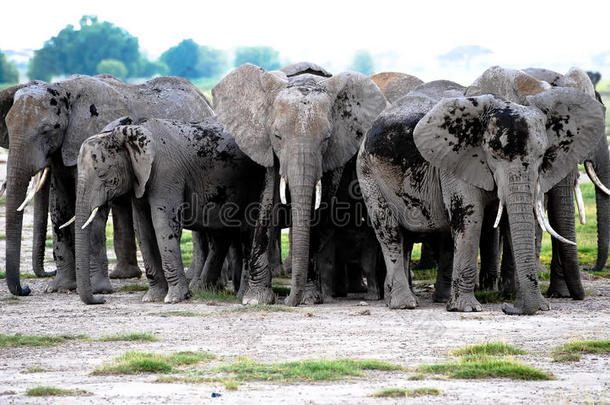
(432, 165)
(41, 203)
(177, 176)
(304, 128)
(395, 85)
(47, 124)
(562, 207)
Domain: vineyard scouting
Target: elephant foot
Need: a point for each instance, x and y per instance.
(126, 271)
(312, 295)
(558, 290)
(177, 293)
(441, 296)
(101, 284)
(372, 295)
(196, 284)
(401, 299)
(258, 296)
(155, 293)
(529, 307)
(61, 283)
(465, 302)
(595, 268)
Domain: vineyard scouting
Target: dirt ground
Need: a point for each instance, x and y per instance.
(335, 330)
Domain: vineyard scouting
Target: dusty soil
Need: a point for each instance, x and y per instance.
(334, 330)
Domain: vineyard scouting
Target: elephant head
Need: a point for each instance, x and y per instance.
(113, 163)
(519, 150)
(311, 124)
(395, 85)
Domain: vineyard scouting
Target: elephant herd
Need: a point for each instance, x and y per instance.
(359, 168)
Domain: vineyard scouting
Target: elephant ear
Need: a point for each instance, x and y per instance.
(6, 102)
(450, 137)
(579, 79)
(356, 102)
(395, 85)
(574, 124)
(300, 68)
(242, 102)
(93, 104)
(513, 85)
(141, 146)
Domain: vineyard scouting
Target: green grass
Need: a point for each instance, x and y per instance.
(37, 340)
(480, 366)
(260, 308)
(130, 337)
(45, 391)
(35, 369)
(23, 275)
(424, 274)
(489, 349)
(280, 289)
(573, 351)
(402, 393)
(151, 363)
(182, 313)
(306, 370)
(215, 295)
(230, 385)
(133, 288)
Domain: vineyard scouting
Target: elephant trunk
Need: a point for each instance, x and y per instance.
(82, 237)
(17, 183)
(561, 217)
(602, 200)
(519, 207)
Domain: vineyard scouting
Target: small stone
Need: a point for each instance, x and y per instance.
(363, 304)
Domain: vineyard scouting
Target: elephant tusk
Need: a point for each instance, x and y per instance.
(499, 214)
(90, 219)
(580, 204)
(70, 222)
(2, 188)
(318, 194)
(283, 190)
(31, 193)
(547, 227)
(593, 176)
(43, 179)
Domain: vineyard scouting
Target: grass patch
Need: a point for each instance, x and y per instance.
(133, 288)
(573, 351)
(181, 313)
(261, 308)
(37, 340)
(481, 366)
(23, 275)
(35, 369)
(130, 337)
(215, 295)
(231, 385)
(425, 274)
(281, 289)
(600, 274)
(11, 299)
(401, 392)
(45, 391)
(306, 370)
(152, 363)
(489, 349)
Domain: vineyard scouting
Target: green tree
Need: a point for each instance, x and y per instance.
(113, 67)
(212, 62)
(263, 56)
(147, 68)
(363, 63)
(182, 59)
(8, 70)
(81, 50)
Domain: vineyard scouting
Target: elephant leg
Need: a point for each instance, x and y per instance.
(98, 259)
(168, 229)
(201, 248)
(506, 284)
(442, 287)
(210, 276)
(325, 269)
(259, 289)
(489, 250)
(124, 240)
(601, 164)
(147, 241)
(235, 257)
(370, 260)
(62, 198)
(41, 216)
(427, 259)
(466, 218)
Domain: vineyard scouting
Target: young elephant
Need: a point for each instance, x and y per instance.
(431, 165)
(179, 176)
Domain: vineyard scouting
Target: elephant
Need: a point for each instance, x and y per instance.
(395, 85)
(436, 162)
(41, 203)
(47, 124)
(304, 127)
(178, 175)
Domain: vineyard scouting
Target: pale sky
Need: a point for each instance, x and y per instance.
(402, 35)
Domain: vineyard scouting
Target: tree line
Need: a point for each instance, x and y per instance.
(101, 47)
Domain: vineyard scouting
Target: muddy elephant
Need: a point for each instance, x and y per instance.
(437, 161)
(179, 175)
(305, 127)
(41, 203)
(47, 124)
